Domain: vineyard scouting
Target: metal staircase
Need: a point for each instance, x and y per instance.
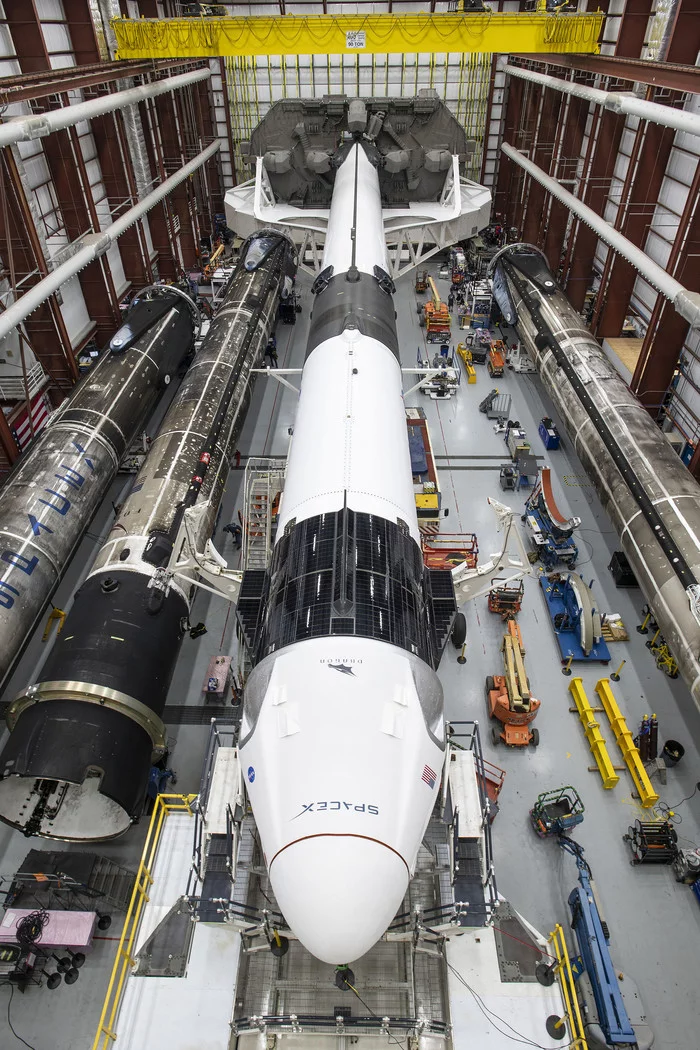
(114, 883)
(264, 481)
(72, 879)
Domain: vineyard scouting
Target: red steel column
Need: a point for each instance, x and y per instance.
(683, 44)
(489, 110)
(634, 218)
(120, 186)
(633, 28)
(572, 140)
(53, 348)
(594, 192)
(25, 27)
(45, 326)
(526, 134)
(86, 48)
(509, 174)
(542, 152)
(160, 217)
(667, 329)
(227, 118)
(202, 98)
(173, 159)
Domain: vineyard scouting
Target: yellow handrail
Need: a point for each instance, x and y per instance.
(568, 989)
(164, 804)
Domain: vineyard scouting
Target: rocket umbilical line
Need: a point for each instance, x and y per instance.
(77, 761)
(342, 740)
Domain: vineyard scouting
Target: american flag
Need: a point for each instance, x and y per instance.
(41, 410)
(429, 776)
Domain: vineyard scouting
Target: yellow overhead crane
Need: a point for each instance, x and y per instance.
(532, 33)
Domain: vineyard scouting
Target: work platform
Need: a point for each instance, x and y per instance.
(222, 970)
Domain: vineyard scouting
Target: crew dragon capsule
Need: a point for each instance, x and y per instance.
(82, 738)
(342, 739)
(49, 499)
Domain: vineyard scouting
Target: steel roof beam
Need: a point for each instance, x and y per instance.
(660, 74)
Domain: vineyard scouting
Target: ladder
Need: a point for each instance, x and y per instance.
(264, 481)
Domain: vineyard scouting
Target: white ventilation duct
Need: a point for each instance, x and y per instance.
(22, 129)
(686, 303)
(616, 101)
(95, 245)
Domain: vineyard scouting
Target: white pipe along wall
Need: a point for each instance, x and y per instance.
(686, 303)
(23, 129)
(618, 102)
(99, 244)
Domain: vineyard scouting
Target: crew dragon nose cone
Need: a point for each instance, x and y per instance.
(338, 893)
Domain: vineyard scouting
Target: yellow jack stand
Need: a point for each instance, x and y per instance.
(56, 615)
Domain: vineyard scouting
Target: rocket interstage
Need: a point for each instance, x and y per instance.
(77, 761)
(342, 740)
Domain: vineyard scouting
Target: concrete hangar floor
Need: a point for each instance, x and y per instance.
(654, 922)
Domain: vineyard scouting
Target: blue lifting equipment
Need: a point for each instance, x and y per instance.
(551, 533)
(595, 954)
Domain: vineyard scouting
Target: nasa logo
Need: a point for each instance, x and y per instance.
(251, 774)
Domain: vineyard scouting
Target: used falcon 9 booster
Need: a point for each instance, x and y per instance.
(82, 738)
(49, 499)
(342, 739)
(651, 497)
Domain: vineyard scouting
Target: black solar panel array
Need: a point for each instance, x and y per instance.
(249, 607)
(442, 605)
(352, 574)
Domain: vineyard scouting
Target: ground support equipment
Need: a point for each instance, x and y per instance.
(426, 486)
(549, 433)
(665, 659)
(652, 842)
(550, 532)
(575, 619)
(450, 549)
(508, 696)
(557, 812)
(591, 728)
(625, 741)
(613, 1012)
(506, 599)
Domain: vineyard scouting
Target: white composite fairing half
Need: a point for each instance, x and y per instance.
(342, 741)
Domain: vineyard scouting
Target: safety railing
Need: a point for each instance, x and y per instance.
(469, 731)
(125, 959)
(563, 970)
(296, 1024)
(220, 735)
(12, 388)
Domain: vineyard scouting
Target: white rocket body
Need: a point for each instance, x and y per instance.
(342, 738)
